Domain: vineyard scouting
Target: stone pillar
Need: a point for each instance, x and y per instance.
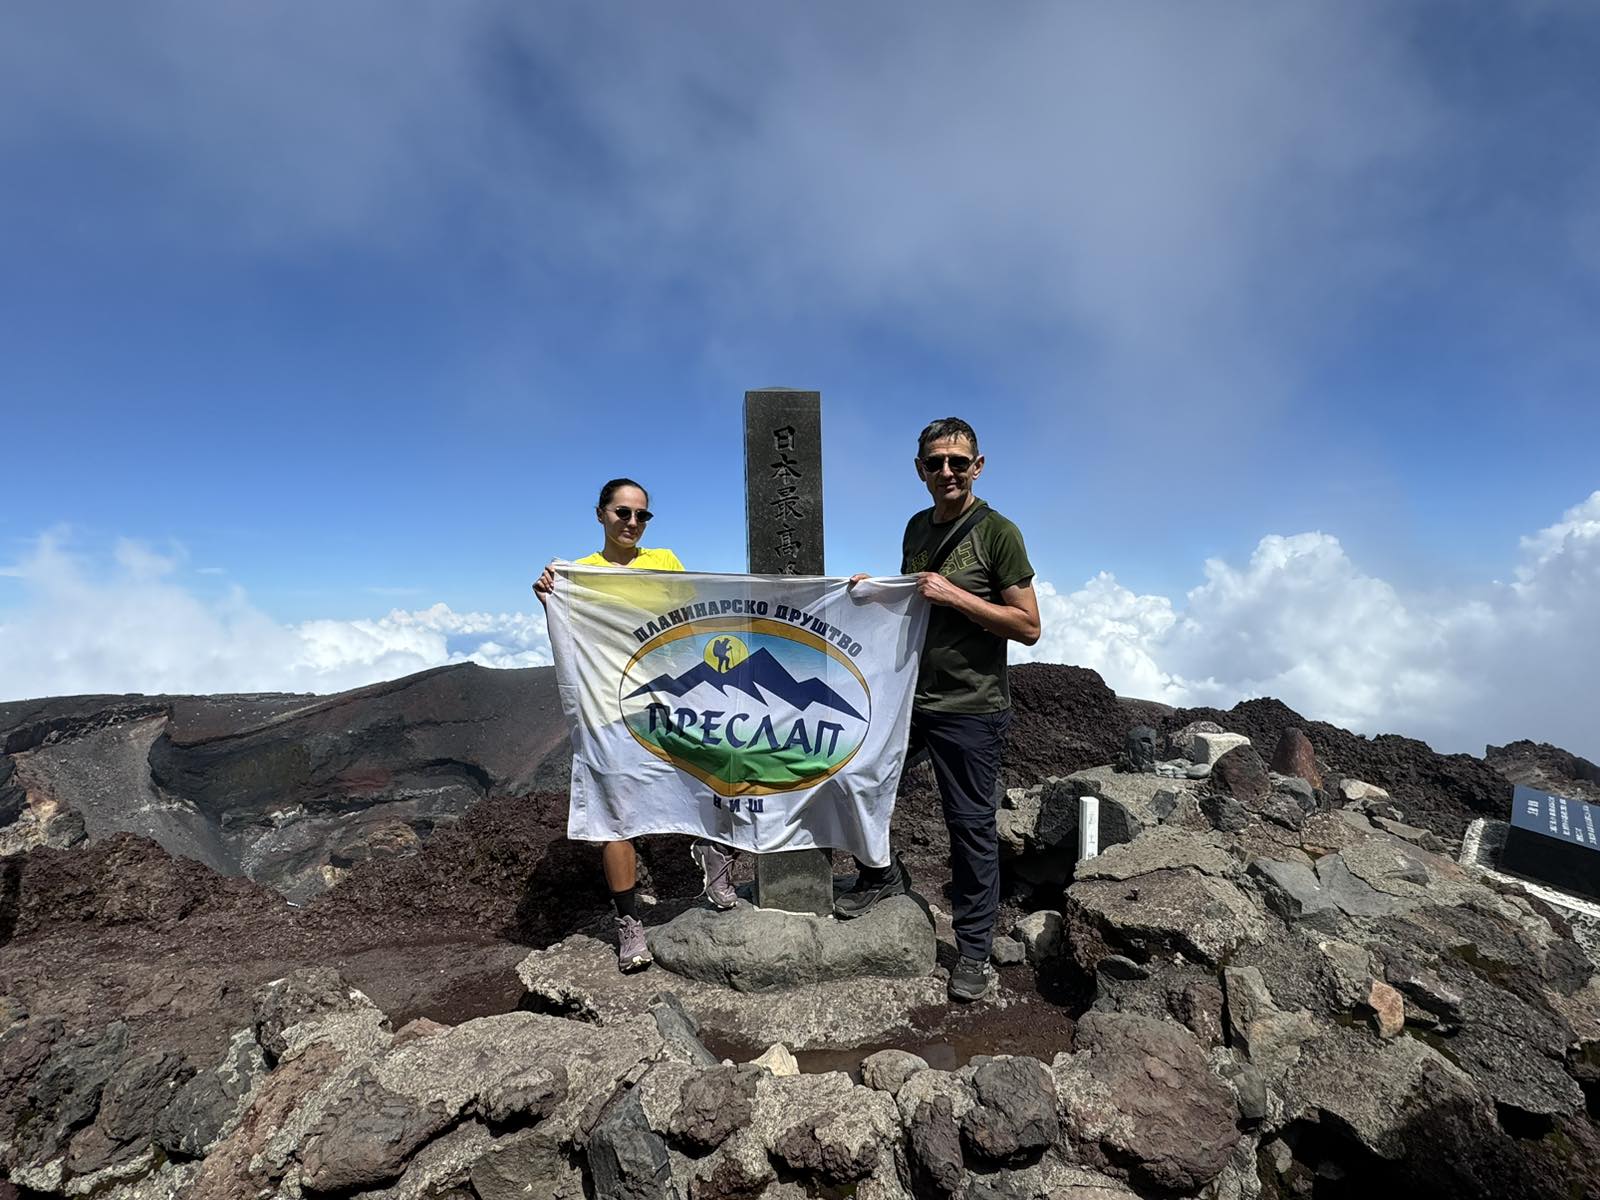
(783, 529)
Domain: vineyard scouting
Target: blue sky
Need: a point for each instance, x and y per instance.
(315, 320)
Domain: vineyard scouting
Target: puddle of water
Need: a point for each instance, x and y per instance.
(1039, 1030)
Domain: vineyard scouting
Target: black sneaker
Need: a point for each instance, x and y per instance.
(870, 888)
(973, 979)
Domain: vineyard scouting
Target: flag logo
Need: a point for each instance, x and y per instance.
(749, 706)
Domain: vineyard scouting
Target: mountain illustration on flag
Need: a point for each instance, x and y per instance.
(756, 677)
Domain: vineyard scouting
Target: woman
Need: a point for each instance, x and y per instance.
(623, 512)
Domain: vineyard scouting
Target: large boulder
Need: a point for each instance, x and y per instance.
(1168, 911)
(759, 950)
(1014, 1118)
(1139, 1099)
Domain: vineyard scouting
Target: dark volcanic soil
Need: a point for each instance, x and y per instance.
(1443, 792)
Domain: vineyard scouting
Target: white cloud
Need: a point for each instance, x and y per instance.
(1302, 622)
(131, 626)
(1299, 620)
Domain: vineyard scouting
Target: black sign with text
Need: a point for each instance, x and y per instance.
(1554, 839)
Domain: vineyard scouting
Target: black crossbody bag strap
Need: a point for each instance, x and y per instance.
(948, 547)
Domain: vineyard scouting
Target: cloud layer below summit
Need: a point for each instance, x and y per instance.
(1300, 620)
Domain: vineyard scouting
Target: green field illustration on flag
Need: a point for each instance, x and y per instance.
(749, 706)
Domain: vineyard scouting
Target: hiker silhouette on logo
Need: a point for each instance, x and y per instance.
(720, 648)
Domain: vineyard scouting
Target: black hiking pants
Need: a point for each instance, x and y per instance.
(965, 749)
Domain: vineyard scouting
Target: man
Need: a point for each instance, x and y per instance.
(973, 568)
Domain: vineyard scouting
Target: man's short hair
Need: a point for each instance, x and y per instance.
(945, 427)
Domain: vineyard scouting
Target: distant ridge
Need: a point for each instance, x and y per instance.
(756, 676)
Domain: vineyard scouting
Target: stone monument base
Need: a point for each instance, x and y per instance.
(760, 950)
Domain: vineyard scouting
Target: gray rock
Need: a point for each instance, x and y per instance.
(887, 1070)
(304, 993)
(1295, 893)
(65, 829)
(1349, 968)
(1139, 1098)
(524, 1097)
(1297, 788)
(1040, 934)
(209, 1104)
(934, 1143)
(1377, 1091)
(65, 1093)
(680, 1029)
(1355, 790)
(1209, 748)
(758, 950)
(1248, 1000)
(1132, 795)
(1423, 987)
(131, 1106)
(1198, 771)
(827, 1129)
(579, 976)
(1181, 742)
(1164, 912)
(933, 1085)
(1007, 951)
(1048, 1179)
(1015, 1115)
(525, 1165)
(740, 1167)
(1251, 1090)
(715, 1103)
(1163, 847)
(440, 1168)
(627, 1159)
(366, 1134)
(1225, 814)
(1116, 966)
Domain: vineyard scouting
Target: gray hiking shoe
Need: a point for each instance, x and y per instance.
(633, 953)
(973, 979)
(717, 864)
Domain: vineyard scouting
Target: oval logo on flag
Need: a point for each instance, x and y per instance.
(748, 706)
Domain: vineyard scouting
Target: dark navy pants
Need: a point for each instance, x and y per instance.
(965, 749)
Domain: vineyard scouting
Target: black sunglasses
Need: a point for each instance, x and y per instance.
(935, 462)
(626, 514)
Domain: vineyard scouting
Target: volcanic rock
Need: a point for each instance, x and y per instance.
(579, 977)
(713, 1104)
(1015, 1114)
(1207, 749)
(628, 1160)
(1388, 1009)
(1176, 911)
(758, 950)
(1180, 742)
(1295, 756)
(887, 1070)
(1139, 1098)
(1040, 935)
(299, 996)
(1240, 773)
(934, 1141)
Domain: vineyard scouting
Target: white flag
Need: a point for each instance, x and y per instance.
(766, 712)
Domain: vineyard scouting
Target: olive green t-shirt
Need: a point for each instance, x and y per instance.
(963, 664)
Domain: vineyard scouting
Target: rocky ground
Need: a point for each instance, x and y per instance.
(1262, 987)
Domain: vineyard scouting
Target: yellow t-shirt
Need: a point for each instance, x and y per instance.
(643, 559)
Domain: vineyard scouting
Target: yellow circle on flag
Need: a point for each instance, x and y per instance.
(724, 652)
